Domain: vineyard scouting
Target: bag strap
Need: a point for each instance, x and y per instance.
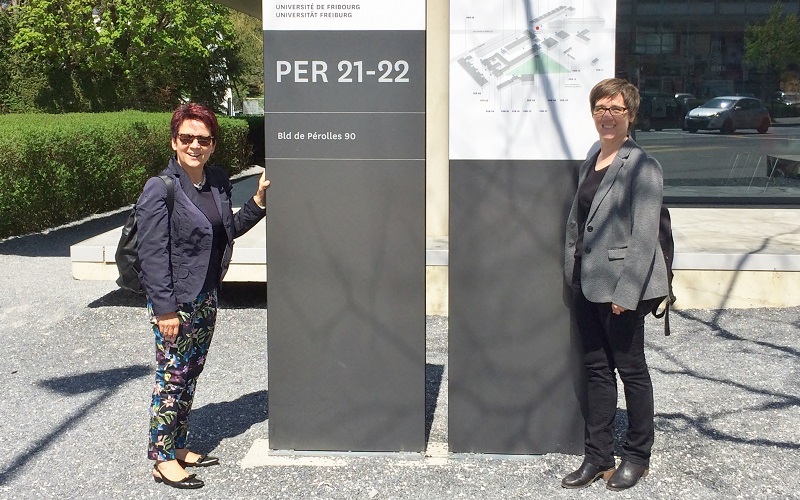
(667, 301)
(170, 193)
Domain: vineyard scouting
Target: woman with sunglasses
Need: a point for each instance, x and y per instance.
(184, 254)
(614, 263)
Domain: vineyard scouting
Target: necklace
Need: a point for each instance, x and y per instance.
(199, 185)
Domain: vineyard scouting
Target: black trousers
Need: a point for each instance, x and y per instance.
(615, 342)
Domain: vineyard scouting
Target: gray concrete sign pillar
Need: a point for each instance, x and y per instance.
(345, 147)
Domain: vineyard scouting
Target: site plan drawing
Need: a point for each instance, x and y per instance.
(520, 76)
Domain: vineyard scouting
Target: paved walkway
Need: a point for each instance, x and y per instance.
(76, 376)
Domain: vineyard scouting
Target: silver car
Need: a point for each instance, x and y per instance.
(728, 114)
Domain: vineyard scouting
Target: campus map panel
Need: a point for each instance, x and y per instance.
(520, 76)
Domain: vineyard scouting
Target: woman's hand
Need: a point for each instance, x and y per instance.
(617, 309)
(169, 324)
(261, 195)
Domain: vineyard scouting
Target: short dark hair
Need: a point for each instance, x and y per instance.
(613, 86)
(194, 111)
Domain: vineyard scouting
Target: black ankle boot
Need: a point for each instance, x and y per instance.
(626, 476)
(586, 474)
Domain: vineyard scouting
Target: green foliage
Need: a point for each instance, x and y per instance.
(250, 47)
(102, 55)
(775, 44)
(59, 56)
(60, 168)
(256, 138)
(7, 28)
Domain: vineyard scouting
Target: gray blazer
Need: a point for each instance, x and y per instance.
(622, 262)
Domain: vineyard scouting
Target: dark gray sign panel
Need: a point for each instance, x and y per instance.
(512, 371)
(345, 146)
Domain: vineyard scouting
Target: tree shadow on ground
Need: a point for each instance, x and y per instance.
(433, 384)
(215, 422)
(106, 382)
(704, 424)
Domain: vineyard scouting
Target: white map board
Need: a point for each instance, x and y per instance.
(520, 76)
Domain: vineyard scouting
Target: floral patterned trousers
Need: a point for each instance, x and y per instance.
(179, 364)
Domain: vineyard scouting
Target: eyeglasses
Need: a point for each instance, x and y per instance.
(203, 140)
(614, 110)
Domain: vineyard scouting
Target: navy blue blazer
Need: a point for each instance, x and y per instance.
(175, 251)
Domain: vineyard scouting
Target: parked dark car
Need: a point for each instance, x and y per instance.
(658, 111)
(784, 104)
(727, 114)
(685, 99)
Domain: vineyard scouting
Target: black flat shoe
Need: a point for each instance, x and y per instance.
(190, 482)
(586, 474)
(204, 461)
(626, 476)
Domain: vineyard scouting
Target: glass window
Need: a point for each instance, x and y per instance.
(649, 42)
(724, 133)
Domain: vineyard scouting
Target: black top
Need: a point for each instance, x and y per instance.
(585, 195)
(204, 200)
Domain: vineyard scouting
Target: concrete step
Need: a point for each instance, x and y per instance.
(725, 257)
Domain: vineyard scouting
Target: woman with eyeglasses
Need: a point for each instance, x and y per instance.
(184, 254)
(615, 266)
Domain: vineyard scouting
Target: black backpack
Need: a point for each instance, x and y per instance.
(127, 256)
(668, 249)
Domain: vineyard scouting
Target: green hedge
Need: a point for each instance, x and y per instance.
(256, 137)
(56, 169)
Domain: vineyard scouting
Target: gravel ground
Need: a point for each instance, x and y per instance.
(76, 378)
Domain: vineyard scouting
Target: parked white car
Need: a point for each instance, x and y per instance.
(728, 114)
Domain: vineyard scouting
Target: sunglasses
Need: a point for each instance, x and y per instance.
(203, 140)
